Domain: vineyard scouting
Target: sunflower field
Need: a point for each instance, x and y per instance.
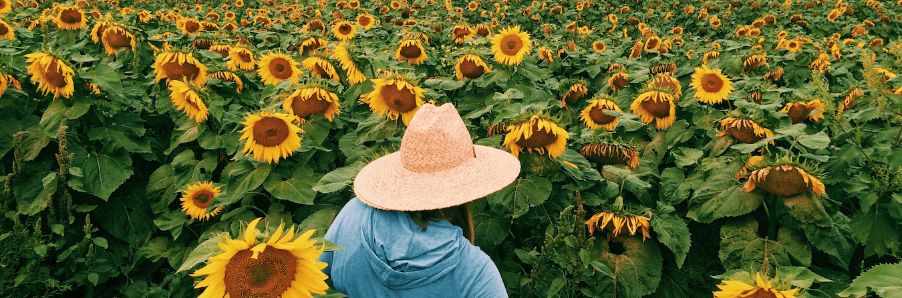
(699, 148)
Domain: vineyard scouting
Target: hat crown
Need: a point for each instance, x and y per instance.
(437, 139)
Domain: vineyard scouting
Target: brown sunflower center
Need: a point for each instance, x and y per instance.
(511, 45)
(117, 39)
(606, 154)
(783, 182)
(659, 109)
(745, 134)
(798, 113)
(310, 46)
(270, 131)
(192, 26)
(539, 138)
(411, 51)
(71, 16)
(54, 76)
(203, 199)
(364, 21)
(652, 44)
(280, 68)
(313, 105)
(269, 275)
(315, 25)
(3, 29)
(244, 56)
(461, 33)
(470, 69)
(619, 82)
(712, 83)
(598, 46)
(758, 293)
(344, 29)
(176, 71)
(399, 100)
(482, 31)
(599, 117)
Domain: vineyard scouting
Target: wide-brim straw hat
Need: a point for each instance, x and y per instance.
(436, 167)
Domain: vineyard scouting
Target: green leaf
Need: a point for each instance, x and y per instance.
(686, 156)
(126, 218)
(245, 183)
(819, 140)
(103, 174)
(799, 276)
(203, 251)
(716, 201)
(877, 232)
(338, 179)
(740, 246)
(884, 280)
(42, 200)
(298, 188)
(674, 186)
(556, 285)
(33, 142)
(522, 194)
(489, 231)
(807, 209)
(673, 232)
(636, 270)
(172, 221)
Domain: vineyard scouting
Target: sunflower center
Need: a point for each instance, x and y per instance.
(313, 105)
(712, 83)
(203, 199)
(511, 45)
(269, 275)
(344, 29)
(659, 109)
(315, 25)
(279, 68)
(798, 113)
(598, 46)
(176, 71)
(399, 100)
(192, 26)
(470, 69)
(3, 29)
(652, 44)
(758, 293)
(244, 56)
(461, 32)
(783, 182)
(364, 21)
(270, 131)
(71, 16)
(54, 76)
(310, 46)
(619, 82)
(117, 39)
(411, 51)
(745, 134)
(599, 117)
(482, 31)
(539, 138)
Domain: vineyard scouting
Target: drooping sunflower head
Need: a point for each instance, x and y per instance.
(241, 58)
(229, 76)
(411, 51)
(284, 265)
(653, 43)
(618, 81)
(175, 65)
(594, 116)
(115, 38)
(667, 83)
(186, 98)
(812, 110)
(221, 49)
(710, 85)
(344, 30)
(70, 18)
(320, 67)
(270, 136)
(342, 54)
(483, 30)
(196, 198)
(655, 105)
(885, 74)
(536, 134)
(365, 21)
(546, 54)
(762, 287)
(51, 74)
(784, 177)
(607, 152)
(6, 31)
(315, 25)
(395, 96)
(470, 66)
(311, 100)
(575, 92)
(754, 61)
(461, 32)
(613, 223)
(310, 45)
(190, 26)
(511, 45)
(743, 130)
(276, 67)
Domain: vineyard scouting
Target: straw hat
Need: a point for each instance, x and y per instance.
(437, 166)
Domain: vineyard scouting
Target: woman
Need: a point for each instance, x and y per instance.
(409, 232)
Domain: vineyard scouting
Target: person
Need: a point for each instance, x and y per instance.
(409, 231)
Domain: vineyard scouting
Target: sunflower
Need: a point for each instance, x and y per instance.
(611, 154)
(618, 81)
(197, 197)
(784, 180)
(599, 46)
(186, 99)
(850, 100)
(800, 111)
(5, 6)
(241, 58)
(312, 100)
(668, 82)
(460, 33)
(653, 43)
(353, 74)
(51, 74)
(411, 51)
(344, 30)
(545, 54)
(229, 77)
(6, 31)
(633, 224)
(470, 66)
(710, 85)
(315, 25)
(271, 136)
(7, 80)
(483, 30)
(594, 117)
(511, 45)
(762, 288)
(221, 49)
(655, 105)
(743, 130)
(319, 67)
(310, 45)
(70, 18)
(365, 21)
(172, 65)
(190, 26)
(885, 74)
(394, 96)
(536, 134)
(285, 265)
(277, 67)
(574, 93)
(115, 38)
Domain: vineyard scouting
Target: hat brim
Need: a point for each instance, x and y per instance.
(385, 183)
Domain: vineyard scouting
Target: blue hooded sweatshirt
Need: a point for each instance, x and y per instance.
(386, 254)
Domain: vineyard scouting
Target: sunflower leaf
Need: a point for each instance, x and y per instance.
(338, 179)
(673, 232)
(884, 280)
(103, 174)
(203, 251)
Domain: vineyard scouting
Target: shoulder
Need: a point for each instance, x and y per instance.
(484, 274)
